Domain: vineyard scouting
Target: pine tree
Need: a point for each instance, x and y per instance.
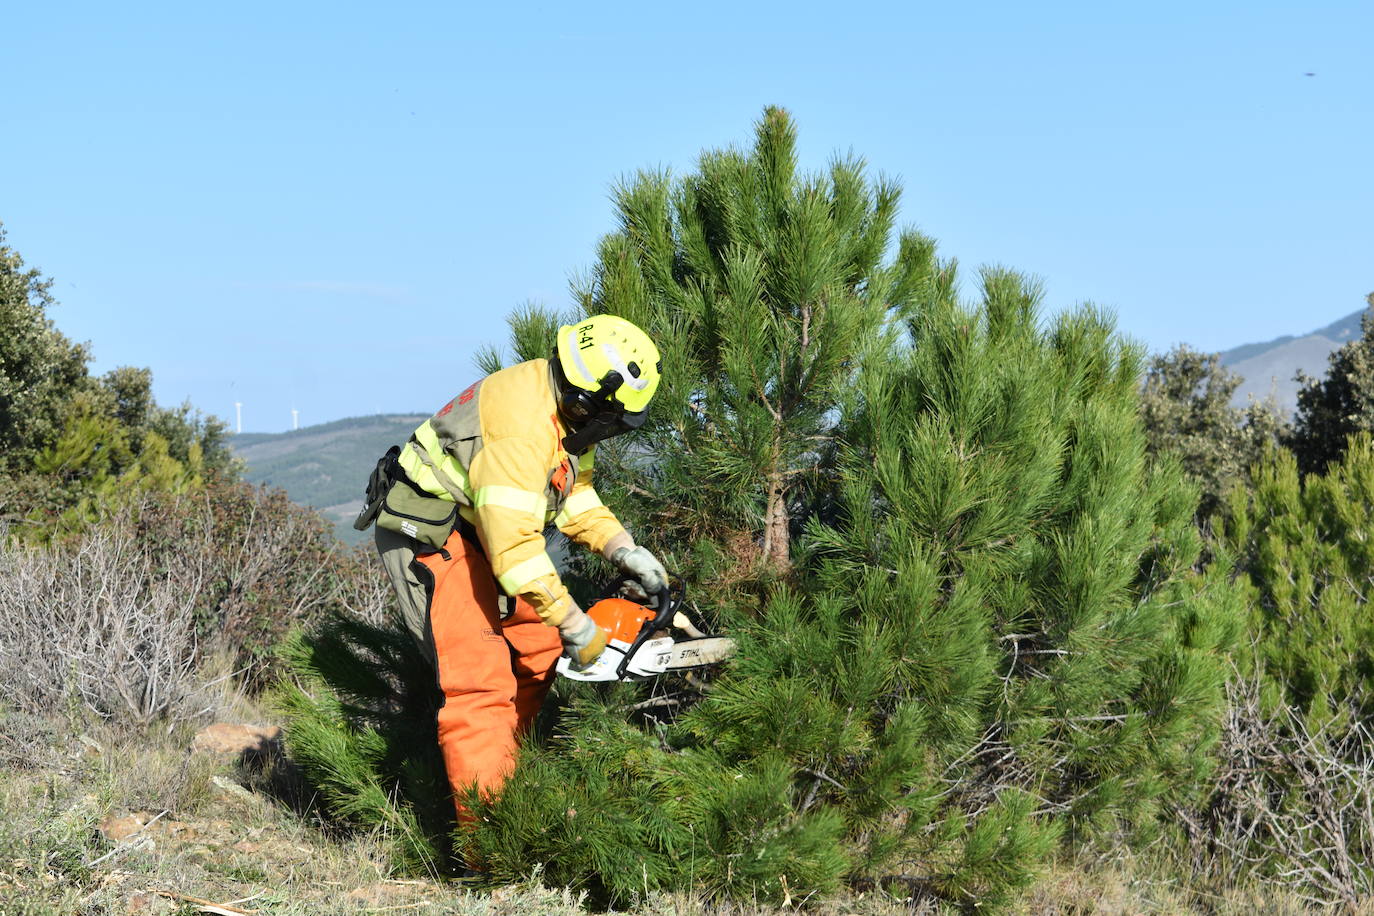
(1303, 545)
(361, 704)
(1292, 802)
(972, 629)
(995, 641)
(767, 289)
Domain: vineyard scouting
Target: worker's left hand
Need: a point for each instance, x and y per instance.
(642, 566)
(583, 640)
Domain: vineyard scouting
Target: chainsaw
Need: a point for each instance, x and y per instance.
(645, 640)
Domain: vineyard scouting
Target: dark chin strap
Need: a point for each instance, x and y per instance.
(592, 432)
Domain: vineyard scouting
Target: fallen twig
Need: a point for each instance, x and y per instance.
(654, 703)
(206, 906)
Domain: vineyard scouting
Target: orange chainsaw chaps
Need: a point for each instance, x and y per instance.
(494, 673)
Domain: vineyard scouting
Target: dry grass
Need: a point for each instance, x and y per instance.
(1129, 885)
(1160, 883)
(195, 835)
(64, 775)
(200, 837)
(203, 840)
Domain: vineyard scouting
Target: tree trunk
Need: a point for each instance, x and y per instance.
(777, 546)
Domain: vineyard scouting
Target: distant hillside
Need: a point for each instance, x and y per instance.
(325, 466)
(1269, 368)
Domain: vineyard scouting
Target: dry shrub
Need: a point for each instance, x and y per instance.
(1292, 807)
(94, 624)
(270, 565)
(362, 589)
(118, 618)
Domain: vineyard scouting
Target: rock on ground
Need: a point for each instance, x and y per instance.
(224, 739)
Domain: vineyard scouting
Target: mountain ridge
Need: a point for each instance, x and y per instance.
(1342, 330)
(1270, 368)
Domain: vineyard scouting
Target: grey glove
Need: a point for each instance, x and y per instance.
(643, 567)
(583, 640)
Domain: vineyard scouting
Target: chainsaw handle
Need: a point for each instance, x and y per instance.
(667, 605)
(669, 600)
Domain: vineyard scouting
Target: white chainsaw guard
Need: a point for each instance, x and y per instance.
(651, 658)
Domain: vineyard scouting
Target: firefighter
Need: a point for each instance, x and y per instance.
(459, 529)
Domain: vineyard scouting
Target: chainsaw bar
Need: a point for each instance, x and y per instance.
(694, 653)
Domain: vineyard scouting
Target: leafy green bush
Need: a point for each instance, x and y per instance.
(40, 369)
(1333, 408)
(1186, 408)
(76, 449)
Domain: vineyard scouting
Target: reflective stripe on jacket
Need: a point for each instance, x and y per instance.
(497, 451)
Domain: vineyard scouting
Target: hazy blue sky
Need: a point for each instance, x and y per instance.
(329, 206)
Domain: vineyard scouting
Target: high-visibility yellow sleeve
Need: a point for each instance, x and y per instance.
(507, 478)
(584, 518)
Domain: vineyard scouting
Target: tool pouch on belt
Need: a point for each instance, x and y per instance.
(396, 504)
(408, 510)
(377, 484)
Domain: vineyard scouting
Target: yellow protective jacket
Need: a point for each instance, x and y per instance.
(497, 451)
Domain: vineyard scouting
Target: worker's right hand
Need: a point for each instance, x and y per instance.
(583, 640)
(643, 568)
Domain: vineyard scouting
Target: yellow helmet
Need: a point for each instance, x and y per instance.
(608, 356)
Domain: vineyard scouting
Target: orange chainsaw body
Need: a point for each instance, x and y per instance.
(621, 618)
